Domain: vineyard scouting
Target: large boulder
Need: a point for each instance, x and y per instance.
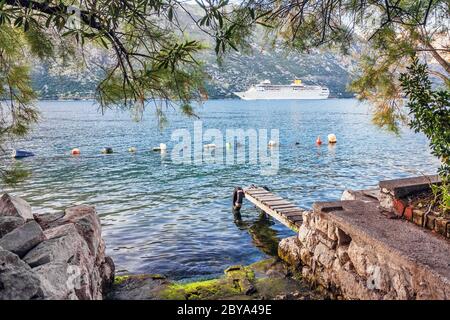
(17, 279)
(23, 239)
(56, 249)
(78, 231)
(9, 223)
(46, 220)
(59, 231)
(15, 206)
(55, 281)
(85, 220)
(54, 256)
(65, 265)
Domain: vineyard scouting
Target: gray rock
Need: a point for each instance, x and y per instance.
(67, 268)
(48, 220)
(55, 281)
(59, 231)
(107, 273)
(141, 287)
(67, 260)
(59, 249)
(9, 223)
(23, 239)
(17, 280)
(15, 206)
(87, 223)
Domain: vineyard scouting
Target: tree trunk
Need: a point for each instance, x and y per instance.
(437, 56)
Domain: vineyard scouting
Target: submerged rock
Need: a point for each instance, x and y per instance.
(267, 279)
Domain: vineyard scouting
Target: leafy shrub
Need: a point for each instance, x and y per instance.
(430, 114)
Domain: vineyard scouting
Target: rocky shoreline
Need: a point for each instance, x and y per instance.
(54, 256)
(356, 248)
(61, 256)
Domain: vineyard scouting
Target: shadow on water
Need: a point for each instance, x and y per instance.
(263, 236)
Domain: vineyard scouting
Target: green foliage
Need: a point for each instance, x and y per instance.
(441, 194)
(14, 175)
(430, 114)
(151, 62)
(430, 111)
(16, 97)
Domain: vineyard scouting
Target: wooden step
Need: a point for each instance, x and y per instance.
(282, 210)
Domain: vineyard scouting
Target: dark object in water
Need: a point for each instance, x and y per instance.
(107, 150)
(22, 154)
(238, 198)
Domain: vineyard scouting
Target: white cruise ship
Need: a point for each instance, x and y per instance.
(297, 90)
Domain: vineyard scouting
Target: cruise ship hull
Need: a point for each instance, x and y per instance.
(283, 95)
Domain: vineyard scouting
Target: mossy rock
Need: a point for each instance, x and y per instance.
(200, 290)
(122, 279)
(266, 279)
(237, 284)
(263, 265)
(239, 273)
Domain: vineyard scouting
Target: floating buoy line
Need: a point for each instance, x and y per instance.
(18, 154)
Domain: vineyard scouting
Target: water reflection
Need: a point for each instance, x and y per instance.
(263, 236)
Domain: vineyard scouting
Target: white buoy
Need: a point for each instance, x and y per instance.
(132, 149)
(162, 147)
(272, 143)
(332, 138)
(209, 146)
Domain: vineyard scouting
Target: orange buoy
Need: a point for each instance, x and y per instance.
(318, 141)
(75, 151)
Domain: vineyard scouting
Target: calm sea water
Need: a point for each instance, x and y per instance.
(176, 219)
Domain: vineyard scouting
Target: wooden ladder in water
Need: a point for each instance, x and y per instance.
(282, 210)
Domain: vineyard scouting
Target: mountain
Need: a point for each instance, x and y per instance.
(237, 71)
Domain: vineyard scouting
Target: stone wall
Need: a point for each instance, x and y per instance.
(52, 256)
(355, 252)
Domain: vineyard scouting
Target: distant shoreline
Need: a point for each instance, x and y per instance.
(225, 98)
